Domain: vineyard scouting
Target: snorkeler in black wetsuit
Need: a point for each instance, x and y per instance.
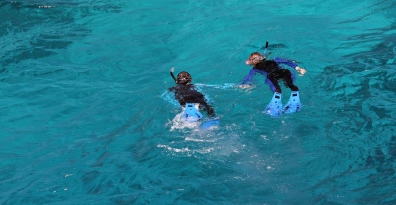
(272, 71)
(185, 92)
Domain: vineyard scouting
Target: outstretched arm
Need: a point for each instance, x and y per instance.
(278, 60)
(247, 79)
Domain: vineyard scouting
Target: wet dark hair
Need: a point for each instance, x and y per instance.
(183, 78)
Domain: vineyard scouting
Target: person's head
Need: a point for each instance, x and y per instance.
(184, 78)
(254, 59)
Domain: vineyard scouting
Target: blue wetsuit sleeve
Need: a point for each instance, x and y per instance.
(249, 77)
(286, 62)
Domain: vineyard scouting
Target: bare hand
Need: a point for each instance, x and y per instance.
(302, 71)
(243, 86)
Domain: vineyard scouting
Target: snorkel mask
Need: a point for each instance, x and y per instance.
(257, 56)
(254, 60)
(183, 77)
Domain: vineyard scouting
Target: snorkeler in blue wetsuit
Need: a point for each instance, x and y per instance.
(190, 99)
(273, 73)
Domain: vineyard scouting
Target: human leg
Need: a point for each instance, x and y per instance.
(294, 104)
(273, 77)
(287, 77)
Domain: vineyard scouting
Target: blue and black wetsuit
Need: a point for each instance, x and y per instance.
(273, 73)
(188, 94)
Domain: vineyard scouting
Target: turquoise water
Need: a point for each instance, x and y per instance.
(86, 119)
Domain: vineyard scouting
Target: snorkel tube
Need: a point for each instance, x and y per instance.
(173, 76)
(265, 50)
(266, 47)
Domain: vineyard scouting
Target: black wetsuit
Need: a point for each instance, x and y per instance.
(188, 94)
(275, 73)
(272, 70)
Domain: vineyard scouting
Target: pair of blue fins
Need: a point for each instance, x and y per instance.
(191, 114)
(274, 108)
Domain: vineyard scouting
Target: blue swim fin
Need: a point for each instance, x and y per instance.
(274, 108)
(294, 104)
(209, 124)
(191, 114)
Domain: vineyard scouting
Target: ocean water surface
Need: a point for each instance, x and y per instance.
(86, 117)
